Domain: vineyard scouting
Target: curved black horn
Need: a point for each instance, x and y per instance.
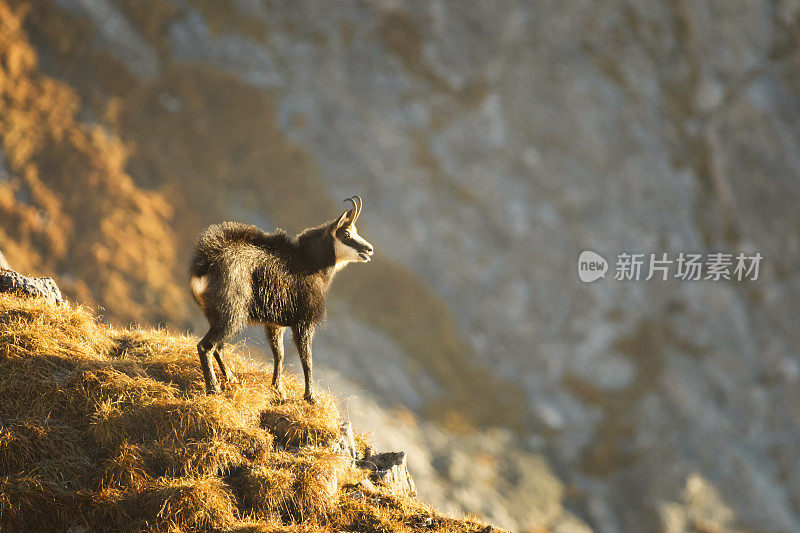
(360, 205)
(355, 206)
(357, 203)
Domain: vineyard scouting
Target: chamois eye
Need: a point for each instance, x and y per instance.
(346, 234)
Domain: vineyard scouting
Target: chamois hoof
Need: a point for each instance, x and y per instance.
(279, 391)
(310, 398)
(213, 389)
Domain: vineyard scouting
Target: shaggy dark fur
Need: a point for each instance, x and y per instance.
(254, 276)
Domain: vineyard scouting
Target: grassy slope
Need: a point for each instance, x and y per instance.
(110, 429)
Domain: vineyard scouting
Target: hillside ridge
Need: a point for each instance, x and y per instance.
(105, 429)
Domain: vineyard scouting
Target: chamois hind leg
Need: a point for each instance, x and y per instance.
(303, 335)
(275, 339)
(205, 348)
(226, 370)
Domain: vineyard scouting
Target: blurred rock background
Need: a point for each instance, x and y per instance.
(492, 142)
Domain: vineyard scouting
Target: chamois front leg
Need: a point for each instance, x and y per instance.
(226, 370)
(303, 335)
(275, 339)
(205, 348)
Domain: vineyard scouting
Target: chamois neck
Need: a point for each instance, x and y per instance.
(316, 251)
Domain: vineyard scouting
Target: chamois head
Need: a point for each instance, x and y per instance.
(348, 245)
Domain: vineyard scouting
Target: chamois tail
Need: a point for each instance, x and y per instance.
(210, 247)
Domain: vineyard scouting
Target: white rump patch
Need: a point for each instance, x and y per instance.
(198, 286)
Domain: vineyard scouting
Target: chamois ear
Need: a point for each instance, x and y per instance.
(341, 222)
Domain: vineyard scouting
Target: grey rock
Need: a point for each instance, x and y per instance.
(367, 486)
(346, 445)
(11, 281)
(391, 468)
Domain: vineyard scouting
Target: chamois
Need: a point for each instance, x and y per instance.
(242, 274)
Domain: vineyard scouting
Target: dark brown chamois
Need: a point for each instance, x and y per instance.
(241, 274)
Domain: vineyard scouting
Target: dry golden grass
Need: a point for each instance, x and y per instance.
(111, 430)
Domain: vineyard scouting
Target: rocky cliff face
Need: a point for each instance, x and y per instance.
(492, 143)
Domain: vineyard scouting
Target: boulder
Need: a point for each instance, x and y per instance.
(11, 281)
(390, 468)
(367, 486)
(346, 444)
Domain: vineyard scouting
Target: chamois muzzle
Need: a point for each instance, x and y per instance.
(363, 248)
(366, 256)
